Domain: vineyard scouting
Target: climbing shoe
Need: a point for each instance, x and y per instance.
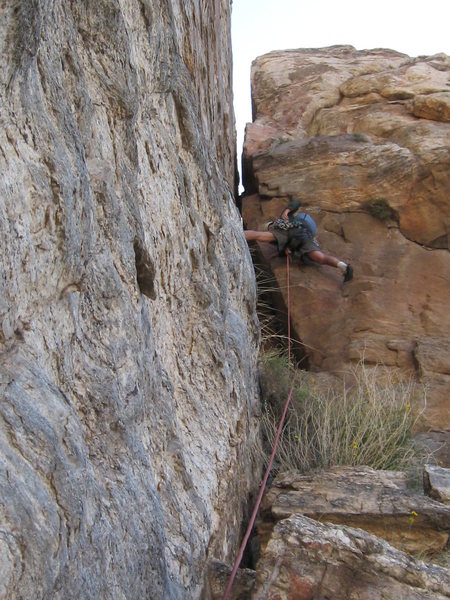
(348, 275)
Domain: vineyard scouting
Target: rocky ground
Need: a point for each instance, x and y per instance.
(324, 535)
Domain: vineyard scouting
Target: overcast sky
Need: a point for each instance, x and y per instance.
(260, 26)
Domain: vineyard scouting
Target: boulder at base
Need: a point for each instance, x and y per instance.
(308, 560)
(377, 501)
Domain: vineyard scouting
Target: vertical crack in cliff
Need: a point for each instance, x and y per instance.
(272, 313)
(145, 269)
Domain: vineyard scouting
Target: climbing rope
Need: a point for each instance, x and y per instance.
(288, 289)
(272, 456)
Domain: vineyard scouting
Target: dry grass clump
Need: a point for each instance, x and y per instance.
(270, 318)
(367, 422)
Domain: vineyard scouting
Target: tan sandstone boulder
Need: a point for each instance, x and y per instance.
(344, 129)
(362, 137)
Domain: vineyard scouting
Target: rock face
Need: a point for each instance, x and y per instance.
(436, 483)
(128, 333)
(219, 574)
(376, 501)
(308, 560)
(363, 138)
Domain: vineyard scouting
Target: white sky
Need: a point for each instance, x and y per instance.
(415, 27)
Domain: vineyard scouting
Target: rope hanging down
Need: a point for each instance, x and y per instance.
(272, 456)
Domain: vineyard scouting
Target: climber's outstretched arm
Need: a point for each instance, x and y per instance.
(259, 236)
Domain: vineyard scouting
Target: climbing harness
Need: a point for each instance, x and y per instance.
(272, 456)
(301, 221)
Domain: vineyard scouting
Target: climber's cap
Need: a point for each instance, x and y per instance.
(294, 205)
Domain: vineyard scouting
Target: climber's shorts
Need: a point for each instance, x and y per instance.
(299, 242)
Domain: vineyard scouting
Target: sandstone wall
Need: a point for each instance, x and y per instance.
(363, 137)
(128, 334)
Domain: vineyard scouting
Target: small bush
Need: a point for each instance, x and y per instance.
(369, 423)
(360, 137)
(380, 209)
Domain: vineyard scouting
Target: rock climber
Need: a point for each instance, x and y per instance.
(295, 235)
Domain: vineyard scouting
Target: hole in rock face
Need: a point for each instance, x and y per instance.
(145, 269)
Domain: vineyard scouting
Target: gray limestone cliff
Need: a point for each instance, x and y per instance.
(128, 335)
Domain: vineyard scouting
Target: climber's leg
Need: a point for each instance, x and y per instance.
(323, 259)
(326, 259)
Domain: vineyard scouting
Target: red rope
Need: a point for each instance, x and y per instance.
(272, 456)
(288, 285)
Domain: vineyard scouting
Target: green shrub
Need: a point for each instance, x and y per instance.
(380, 209)
(360, 137)
(368, 423)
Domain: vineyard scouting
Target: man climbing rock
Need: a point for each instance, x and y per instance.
(295, 234)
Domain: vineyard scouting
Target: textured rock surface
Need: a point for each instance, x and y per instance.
(219, 575)
(436, 482)
(363, 138)
(308, 560)
(362, 108)
(128, 335)
(376, 501)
